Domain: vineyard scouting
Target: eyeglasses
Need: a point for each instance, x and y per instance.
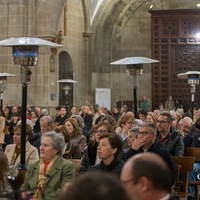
(161, 122)
(101, 131)
(145, 133)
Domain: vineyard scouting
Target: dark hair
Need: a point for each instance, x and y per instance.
(16, 114)
(37, 115)
(168, 115)
(158, 173)
(114, 140)
(98, 119)
(96, 186)
(142, 112)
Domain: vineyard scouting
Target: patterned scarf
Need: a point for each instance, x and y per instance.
(15, 156)
(42, 178)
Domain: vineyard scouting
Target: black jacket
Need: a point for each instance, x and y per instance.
(156, 148)
(89, 157)
(173, 143)
(196, 141)
(114, 167)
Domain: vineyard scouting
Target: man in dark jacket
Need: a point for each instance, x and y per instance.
(167, 137)
(60, 119)
(146, 143)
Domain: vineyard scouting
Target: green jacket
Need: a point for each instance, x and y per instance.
(61, 172)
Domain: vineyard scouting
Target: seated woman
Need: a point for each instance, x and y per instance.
(76, 136)
(108, 150)
(51, 172)
(132, 135)
(71, 151)
(90, 156)
(12, 151)
(5, 188)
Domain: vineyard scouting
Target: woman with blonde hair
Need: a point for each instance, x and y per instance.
(87, 117)
(150, 118)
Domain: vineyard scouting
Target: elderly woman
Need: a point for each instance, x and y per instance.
(48, 175)
(132, 136)
(12, 151)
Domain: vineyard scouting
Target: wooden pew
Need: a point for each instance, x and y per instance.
(194, 152)
(77, 163)
(183, 165)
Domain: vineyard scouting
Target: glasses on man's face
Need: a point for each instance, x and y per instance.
(144, 133)
(161, 122)
(101, 131)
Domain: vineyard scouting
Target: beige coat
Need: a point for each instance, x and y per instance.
(2, 126)
(31, 153)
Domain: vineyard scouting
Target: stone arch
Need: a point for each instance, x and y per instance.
(65, 72)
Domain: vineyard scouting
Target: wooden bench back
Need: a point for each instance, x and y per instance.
(186, 163)
(192, 151)
(183, 165)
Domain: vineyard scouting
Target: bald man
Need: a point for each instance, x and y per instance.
(184, 126)
(146, 176)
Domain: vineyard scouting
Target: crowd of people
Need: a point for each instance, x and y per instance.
(132, 153)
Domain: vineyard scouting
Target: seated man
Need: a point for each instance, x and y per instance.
(146, 143)
(167, 137)
(146, 176)
(184, 126)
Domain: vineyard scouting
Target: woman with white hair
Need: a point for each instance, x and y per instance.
(45, 178)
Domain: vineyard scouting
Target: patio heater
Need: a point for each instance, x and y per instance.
(134, 68)
(192, 78)
(3, 82)
(25, 54)
(66, 87)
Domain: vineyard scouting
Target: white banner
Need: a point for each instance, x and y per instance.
(103, 97)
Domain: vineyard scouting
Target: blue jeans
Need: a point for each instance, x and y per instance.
(193, 177)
